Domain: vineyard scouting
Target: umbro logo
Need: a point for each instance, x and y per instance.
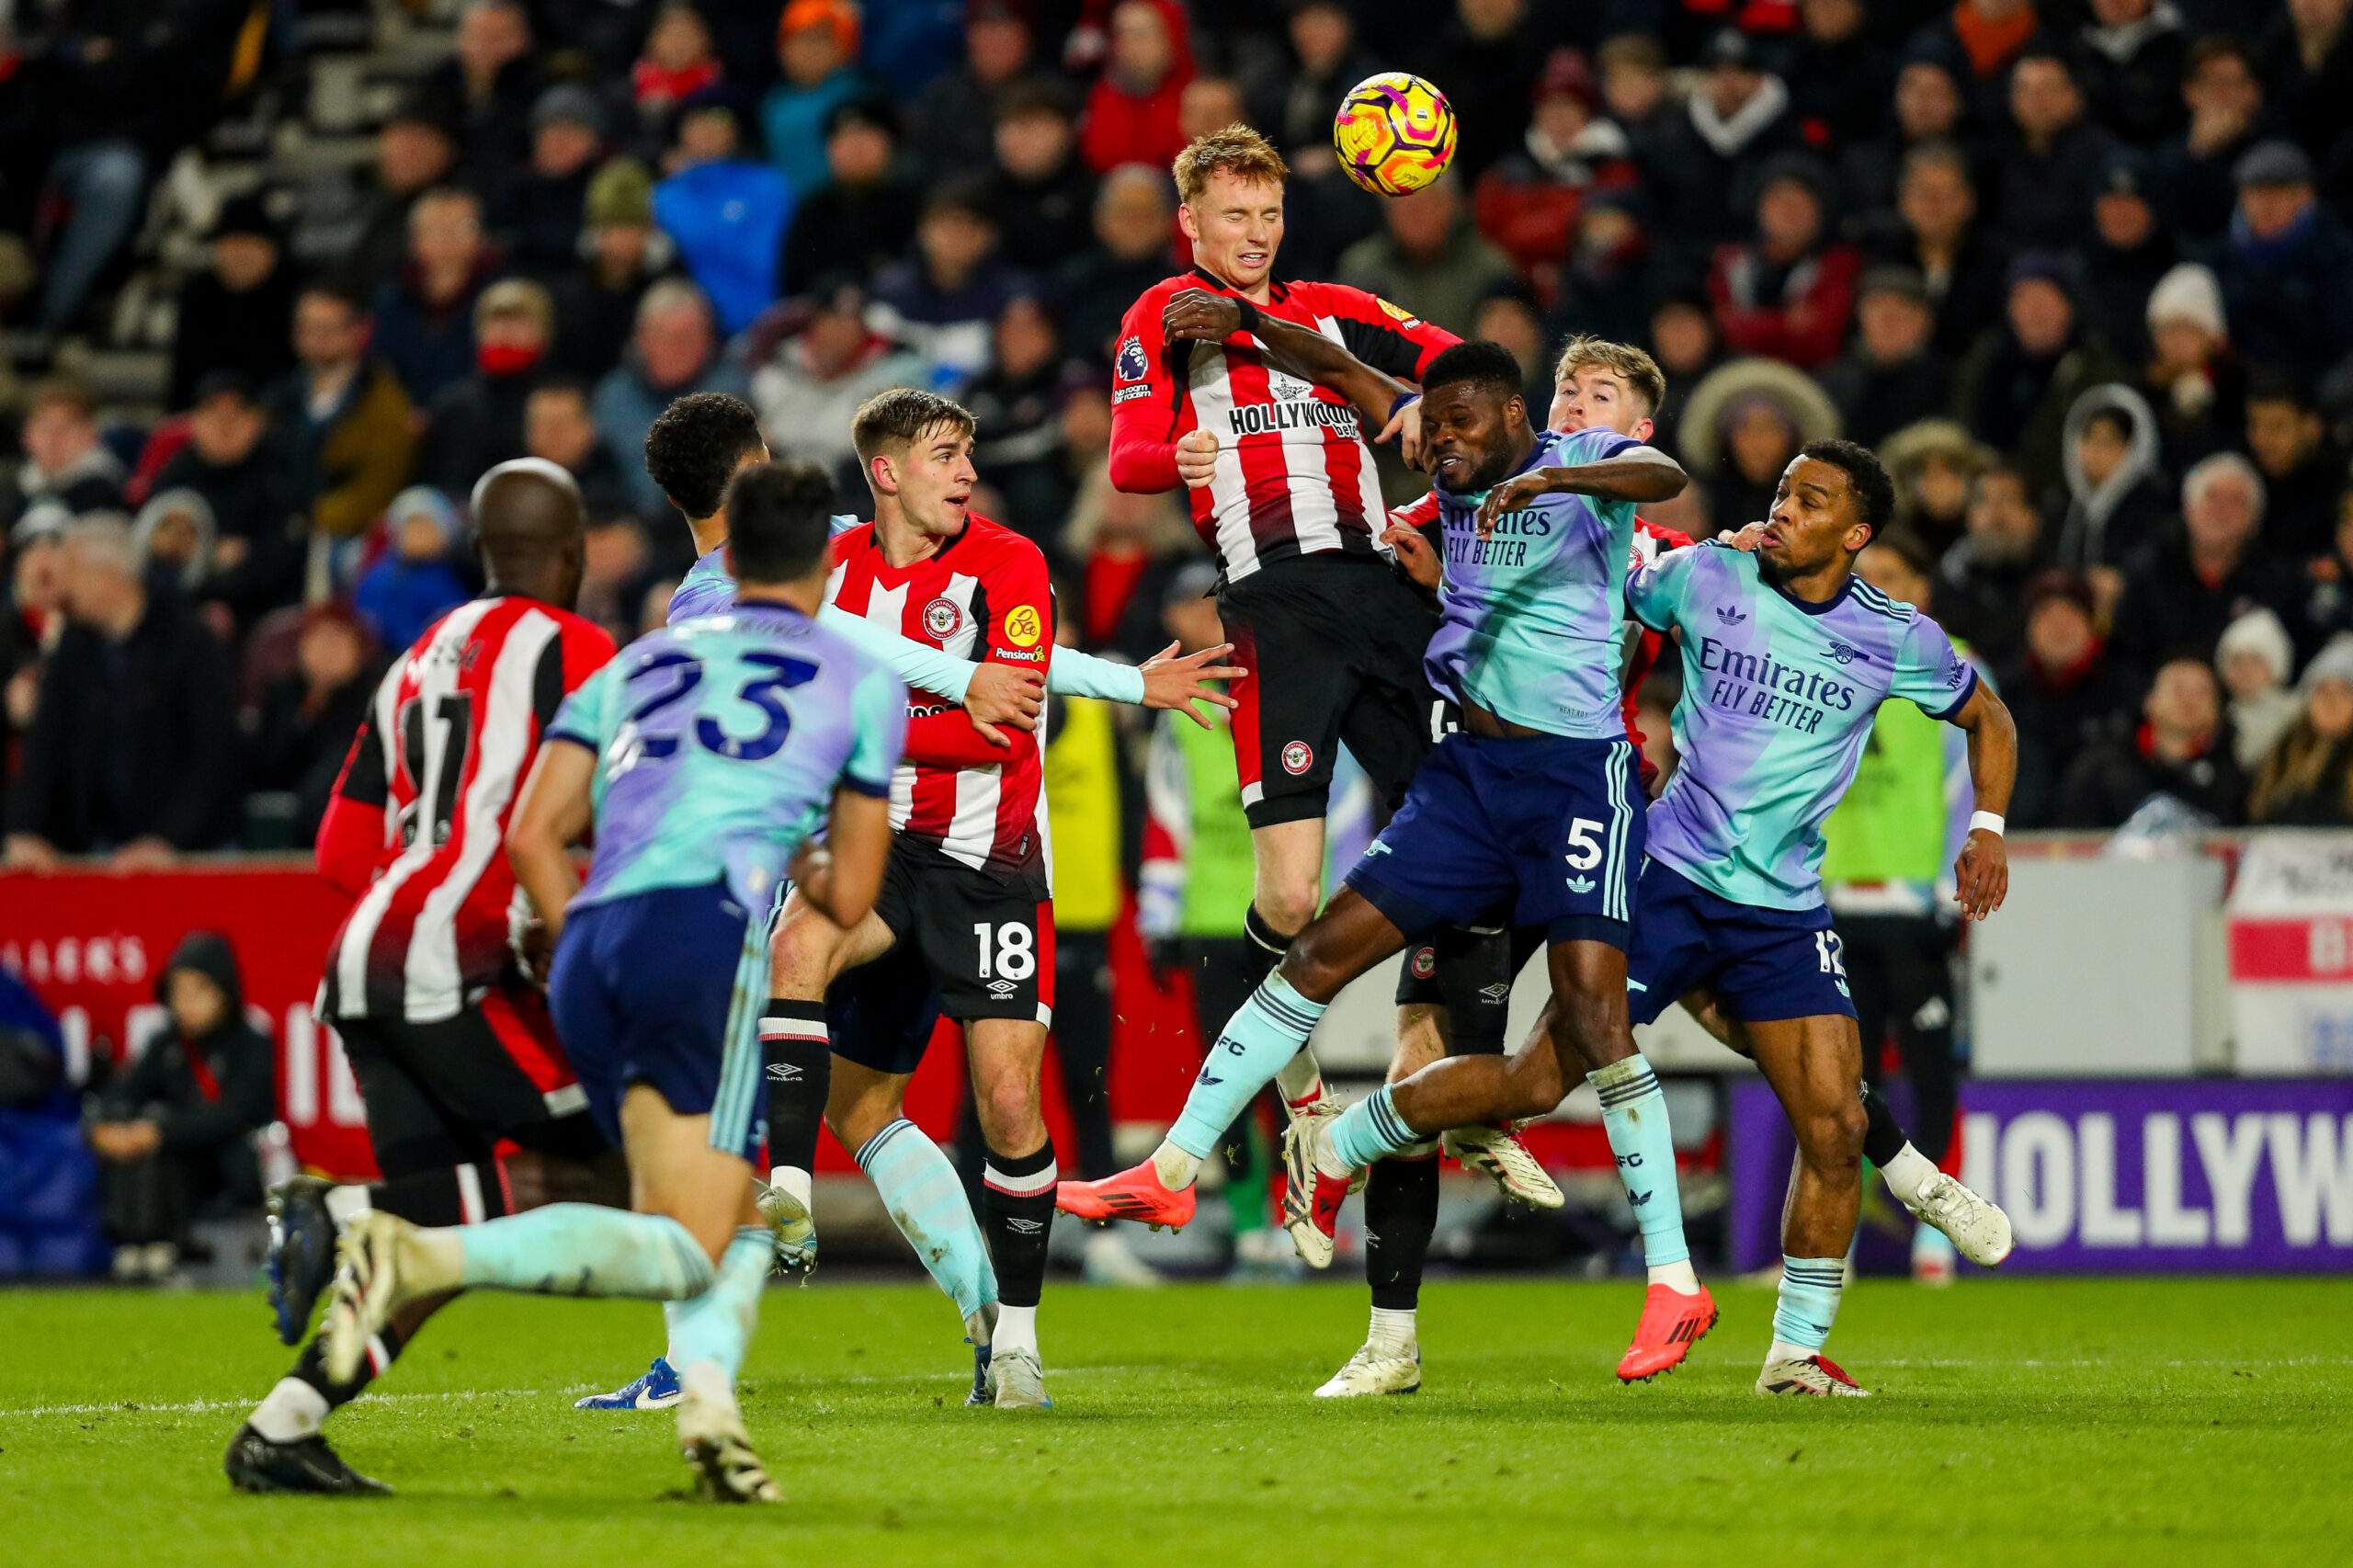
(1002, 988)
(1730, 616)
(784, 1073)
(1497, 992)
(1846, 653)
(1580, 884)
(1021, 1227)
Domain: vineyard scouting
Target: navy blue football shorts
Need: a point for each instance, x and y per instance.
(1546, 831)
(664, 988)
(1763, 964)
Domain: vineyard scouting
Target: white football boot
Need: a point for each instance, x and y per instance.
(1976, 1225)
(1498, 1154)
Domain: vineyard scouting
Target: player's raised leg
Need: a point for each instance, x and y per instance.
(1347, 938)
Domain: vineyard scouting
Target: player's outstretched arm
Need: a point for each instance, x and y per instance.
(840, 877)
(552, 815)
(1645, 473)
(1199, 316)
(992, 694)
(1983, 870)
(1176, 681)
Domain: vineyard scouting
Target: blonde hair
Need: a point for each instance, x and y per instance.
(1235, 149)
(1170, 533)
(1630, 365)
(516, 297)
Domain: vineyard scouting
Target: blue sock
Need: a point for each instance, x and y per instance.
(920, 1189)
(585, 1249)
(717, 1326)
(1370, 1129)
(1633, 1112)
(1256, 1043)
(1809, 1302)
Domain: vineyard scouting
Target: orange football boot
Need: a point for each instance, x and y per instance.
(1672, 1324)
(1134, 1194)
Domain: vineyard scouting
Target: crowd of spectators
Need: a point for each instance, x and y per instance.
(2081, 269)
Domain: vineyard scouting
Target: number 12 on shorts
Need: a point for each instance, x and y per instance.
(1017, 954)
(1832, 950)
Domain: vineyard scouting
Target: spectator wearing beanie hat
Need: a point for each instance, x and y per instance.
(310, 713)
(2064, 692)
(2306, 779)
(2128, 250)
(414, 581)
(238, 314)
(2192, 379)
(2254, 658)
(816, 47)
(537, 211)
(623, 253)
(2284, 271)
(1786, 292)
(1737, 117)
(1529, 202)
(1892, 376)
(961, 109)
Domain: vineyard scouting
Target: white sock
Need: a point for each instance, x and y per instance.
(1784, 1351)
(1906, 1173)
(1017, 1329)
(706, 1382)
(345, 1204)
(793, 1179)
(1300, 1078)
(1174, 1167)
(1393, 1330)
(1675, 1276)
(292, 1411)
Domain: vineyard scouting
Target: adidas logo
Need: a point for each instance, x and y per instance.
(1729, 616)
(784, 1073)
(1580, 884)
(1638, 1199)
(1021, 1227)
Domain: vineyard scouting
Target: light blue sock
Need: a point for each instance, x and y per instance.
(717, 1326)
(585, 1249)
(1633, 1113)
(1370, 1129)
(920, 1189)
(1255, 1045)
(1809, 1302)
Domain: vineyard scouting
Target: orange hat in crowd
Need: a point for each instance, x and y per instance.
(838, 15)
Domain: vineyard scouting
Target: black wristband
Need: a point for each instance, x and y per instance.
(1249, 315)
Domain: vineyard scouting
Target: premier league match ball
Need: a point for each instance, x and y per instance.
(1395, 133)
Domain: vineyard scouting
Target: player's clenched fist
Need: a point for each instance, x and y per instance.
(1197, 458)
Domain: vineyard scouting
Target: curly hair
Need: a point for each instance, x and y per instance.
(696, 445)
(1874, 493)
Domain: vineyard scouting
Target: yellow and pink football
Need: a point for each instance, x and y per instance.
(1395, 133)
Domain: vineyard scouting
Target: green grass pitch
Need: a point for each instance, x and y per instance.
(2018, 1422)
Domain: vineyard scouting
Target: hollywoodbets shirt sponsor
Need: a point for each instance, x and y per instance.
(1778, 701)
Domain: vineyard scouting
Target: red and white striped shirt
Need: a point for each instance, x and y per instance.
(417, 825)
(984, 596)
(1294, 474)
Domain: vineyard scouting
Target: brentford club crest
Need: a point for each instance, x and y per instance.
(1298, 758)
(1425, 962)
(940, 617)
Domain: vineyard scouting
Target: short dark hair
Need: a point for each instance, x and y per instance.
(1874, 493)
(2116, 419)
(1478, 361)
(779, 520)
(693, 448)
(898, 419)
(343, 293)
(2205, 51)
(2270, 385)
(566, 385)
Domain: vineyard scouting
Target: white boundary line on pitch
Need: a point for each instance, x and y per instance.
(203, 1406)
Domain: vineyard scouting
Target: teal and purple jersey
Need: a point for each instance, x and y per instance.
(1533, 628)
(1777, 700)
(706, 589)
(721, 742)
